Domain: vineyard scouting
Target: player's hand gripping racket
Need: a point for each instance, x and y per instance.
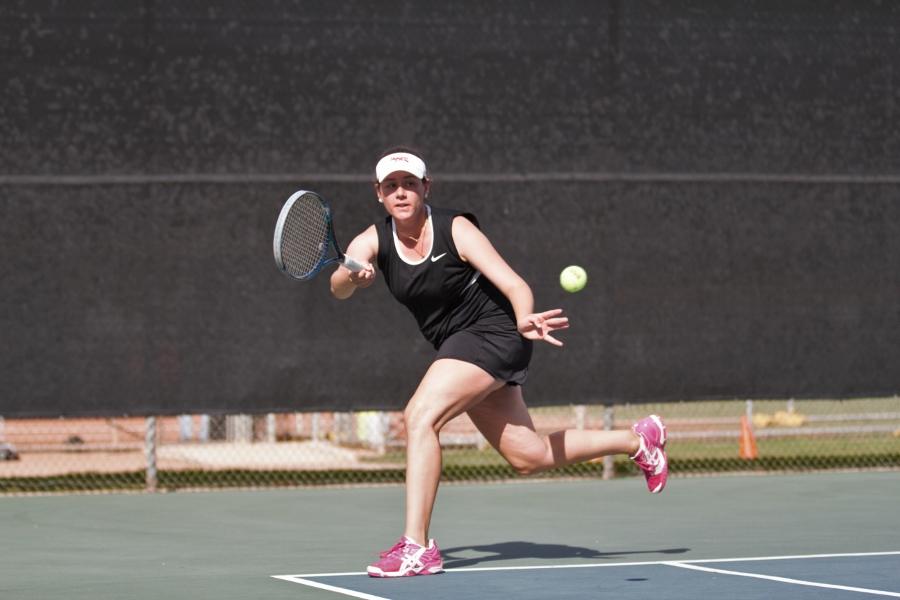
(304, 237)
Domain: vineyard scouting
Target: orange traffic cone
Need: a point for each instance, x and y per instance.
(748, 449)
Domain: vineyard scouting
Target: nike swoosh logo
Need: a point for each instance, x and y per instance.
(438, 257)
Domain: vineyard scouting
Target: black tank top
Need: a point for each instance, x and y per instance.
(444, 293)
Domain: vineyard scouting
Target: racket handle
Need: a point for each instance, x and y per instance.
(351, 264)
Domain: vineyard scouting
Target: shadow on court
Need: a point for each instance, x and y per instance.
(512, 550)
(228, 545)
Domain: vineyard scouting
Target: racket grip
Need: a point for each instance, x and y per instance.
(351, 264)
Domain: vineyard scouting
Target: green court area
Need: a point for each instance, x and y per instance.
(230, 544)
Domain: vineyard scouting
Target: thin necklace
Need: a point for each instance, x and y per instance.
(421, 231)
(416, 241)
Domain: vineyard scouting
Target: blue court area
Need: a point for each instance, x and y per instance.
(778, 536)
(801, 577)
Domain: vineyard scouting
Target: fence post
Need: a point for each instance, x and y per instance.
(384, 430)
(239, 428)
(580, 416)
(271, 426)
(609, 461)
(315, 432)
(150, 453)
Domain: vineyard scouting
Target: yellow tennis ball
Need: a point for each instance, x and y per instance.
(573, 278)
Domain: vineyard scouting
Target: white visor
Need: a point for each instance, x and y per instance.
(400, 161)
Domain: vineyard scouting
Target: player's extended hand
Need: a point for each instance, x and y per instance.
(539, 326)
(363, 278)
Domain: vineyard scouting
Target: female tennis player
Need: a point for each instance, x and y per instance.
(480, 316)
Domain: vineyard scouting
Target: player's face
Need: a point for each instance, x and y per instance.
(402, 193)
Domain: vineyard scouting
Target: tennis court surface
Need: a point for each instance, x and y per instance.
(817, 576)
(824, 535)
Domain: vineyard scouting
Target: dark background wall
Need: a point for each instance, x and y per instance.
(726, 172)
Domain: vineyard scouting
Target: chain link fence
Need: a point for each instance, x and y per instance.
(299, 449)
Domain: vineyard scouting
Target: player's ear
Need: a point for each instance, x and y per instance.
(378, 192)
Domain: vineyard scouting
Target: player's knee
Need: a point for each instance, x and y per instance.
(523, 469)
(526, 468)
(418, 421)
(529, 462)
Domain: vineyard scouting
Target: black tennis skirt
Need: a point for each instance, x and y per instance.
(503, 354)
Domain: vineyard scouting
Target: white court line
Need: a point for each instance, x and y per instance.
(786, 557)
(685, 564)
(330, 588)
(630, 564)
(816, 584)
(476, 569)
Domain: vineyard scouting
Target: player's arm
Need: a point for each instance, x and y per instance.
(475, 248)
(363, 248)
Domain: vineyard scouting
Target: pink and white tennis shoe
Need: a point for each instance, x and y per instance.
(407, 558)
(651, 456)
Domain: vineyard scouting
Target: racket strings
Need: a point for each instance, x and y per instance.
(305, 236)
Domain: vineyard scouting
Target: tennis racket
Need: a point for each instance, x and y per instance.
(304, 237)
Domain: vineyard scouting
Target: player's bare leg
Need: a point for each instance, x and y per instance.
(503, 419)
(448, 389)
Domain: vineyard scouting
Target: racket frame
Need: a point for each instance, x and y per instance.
(330, 240)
